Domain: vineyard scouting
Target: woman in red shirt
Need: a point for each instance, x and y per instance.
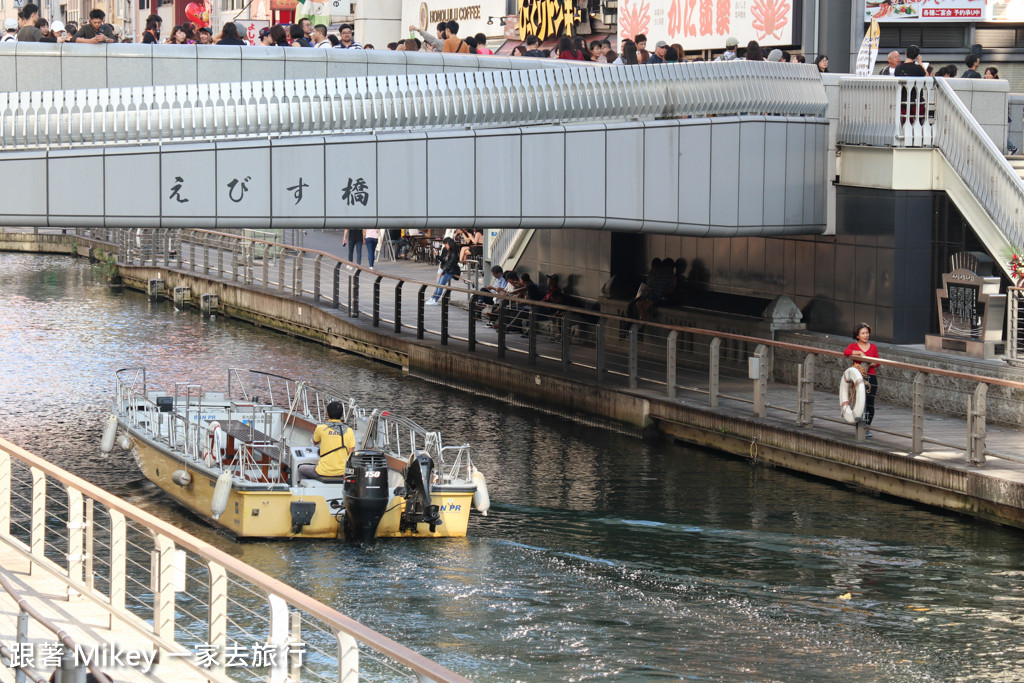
(567, 51)
(861, 350)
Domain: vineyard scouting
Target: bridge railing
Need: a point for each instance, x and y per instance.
(926, 112)
(684, 362)
(224, 619)
(316, 107)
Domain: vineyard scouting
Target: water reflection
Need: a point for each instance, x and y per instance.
(604, 556)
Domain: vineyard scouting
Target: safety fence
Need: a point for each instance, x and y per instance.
(261, 109)
(926, 112)
(223, 619)
(680, 362)
(1015, 326)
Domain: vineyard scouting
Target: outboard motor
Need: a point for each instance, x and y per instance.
(366, 495)
(418, 507)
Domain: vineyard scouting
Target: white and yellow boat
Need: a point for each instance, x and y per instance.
(233, 459)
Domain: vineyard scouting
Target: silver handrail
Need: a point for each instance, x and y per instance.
(261, 109)
(284, 605)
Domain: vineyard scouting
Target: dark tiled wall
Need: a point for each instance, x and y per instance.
(877, 268)
(581, 258)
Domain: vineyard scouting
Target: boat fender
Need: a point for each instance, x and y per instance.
(851, 395)
(109, 432)
(181, 477)
(481, 499)
(221, 491)
(125, 442)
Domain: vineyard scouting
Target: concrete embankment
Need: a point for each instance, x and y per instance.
(937, 478)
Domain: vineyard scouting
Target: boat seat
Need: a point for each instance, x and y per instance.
(326, 480)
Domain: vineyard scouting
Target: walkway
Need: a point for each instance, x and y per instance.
(782, 399)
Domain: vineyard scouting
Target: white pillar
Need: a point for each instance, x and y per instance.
(379, 22)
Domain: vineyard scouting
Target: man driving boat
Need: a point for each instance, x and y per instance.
(336, 441)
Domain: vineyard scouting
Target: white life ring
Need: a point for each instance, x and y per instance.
(216, 445)
(851, 408)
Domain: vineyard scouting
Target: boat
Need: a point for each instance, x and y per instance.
(233, 459)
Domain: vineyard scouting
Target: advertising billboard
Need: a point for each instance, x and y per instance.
(705, 24)
(891, 11)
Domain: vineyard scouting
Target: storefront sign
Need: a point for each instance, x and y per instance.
(705, 24)
(902, 11)
(472, 15)
(547, 18)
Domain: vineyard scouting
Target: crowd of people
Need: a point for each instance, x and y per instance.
(517, 313)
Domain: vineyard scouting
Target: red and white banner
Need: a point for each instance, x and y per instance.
(705, 24)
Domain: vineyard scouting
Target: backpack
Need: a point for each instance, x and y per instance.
(8, 37)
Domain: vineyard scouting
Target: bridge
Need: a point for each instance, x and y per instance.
(454, 148)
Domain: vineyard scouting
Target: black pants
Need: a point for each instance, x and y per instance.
(870, 390)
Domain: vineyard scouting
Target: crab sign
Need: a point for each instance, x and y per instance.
(770, 18)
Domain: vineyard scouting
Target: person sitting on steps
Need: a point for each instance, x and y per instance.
(336, 441)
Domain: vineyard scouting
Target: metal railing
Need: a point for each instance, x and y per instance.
(68, 667)
(926, 112)
(1015, 326)
(507, 242)
(681, 362)
(134, 566)
(261, 109)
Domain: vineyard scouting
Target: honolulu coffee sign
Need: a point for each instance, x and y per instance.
(472, 18)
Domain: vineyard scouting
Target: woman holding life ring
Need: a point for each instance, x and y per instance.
(861, 350)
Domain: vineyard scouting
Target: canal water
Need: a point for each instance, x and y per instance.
(603, 557)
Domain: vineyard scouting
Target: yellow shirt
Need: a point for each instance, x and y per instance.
(336, 442)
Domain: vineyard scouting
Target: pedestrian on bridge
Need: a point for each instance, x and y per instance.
(95, 31)
(353, 239)
(29, 19)
(861, 350)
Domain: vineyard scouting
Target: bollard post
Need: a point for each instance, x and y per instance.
(917, 415)
(420, 298)
(976, 434)
(280, 270)
(602, 359)
(714, 358)
(760, 377)
(297, 275)
(671, 348)
(502, 307)
(376, 300)
(531, 342)
(566, 328)
(353, 307)
(398, 306)
(22, 637)
(335, 296)
(317, 268)
(634, 354)
(807, 391)
(445, 295)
